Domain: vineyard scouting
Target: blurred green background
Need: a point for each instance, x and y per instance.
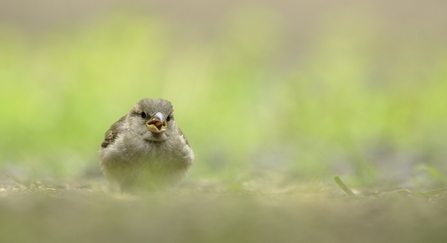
(300, 90)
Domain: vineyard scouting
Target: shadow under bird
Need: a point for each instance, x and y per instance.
(145, 149)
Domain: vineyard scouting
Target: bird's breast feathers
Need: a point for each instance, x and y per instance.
(174, 150)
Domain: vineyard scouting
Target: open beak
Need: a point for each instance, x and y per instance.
(157, 123)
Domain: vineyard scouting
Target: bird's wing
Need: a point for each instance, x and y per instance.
(183, 135)
(113, 132)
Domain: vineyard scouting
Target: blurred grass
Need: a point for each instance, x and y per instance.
(307, 213)
(346, 107)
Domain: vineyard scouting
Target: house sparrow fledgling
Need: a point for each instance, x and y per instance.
(145, 149)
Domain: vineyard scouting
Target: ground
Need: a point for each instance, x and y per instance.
(210, 212)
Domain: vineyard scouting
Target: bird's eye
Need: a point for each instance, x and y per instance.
(168, 118)
(143, 115)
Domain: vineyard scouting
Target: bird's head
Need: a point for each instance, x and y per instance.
(153, 119)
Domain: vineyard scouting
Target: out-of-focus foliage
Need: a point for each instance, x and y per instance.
(354, 102)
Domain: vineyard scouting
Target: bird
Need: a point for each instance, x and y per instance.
(145, 149)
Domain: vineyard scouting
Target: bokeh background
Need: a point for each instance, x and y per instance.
(295, 90)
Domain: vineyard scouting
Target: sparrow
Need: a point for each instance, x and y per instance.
(145, 149)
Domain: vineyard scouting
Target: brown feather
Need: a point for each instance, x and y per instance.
(113, 132)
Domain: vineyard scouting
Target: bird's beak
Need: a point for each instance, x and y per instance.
(157, 123)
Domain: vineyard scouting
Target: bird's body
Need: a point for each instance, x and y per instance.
(145, 149)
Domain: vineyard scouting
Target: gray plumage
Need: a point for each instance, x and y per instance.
(145, 149)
